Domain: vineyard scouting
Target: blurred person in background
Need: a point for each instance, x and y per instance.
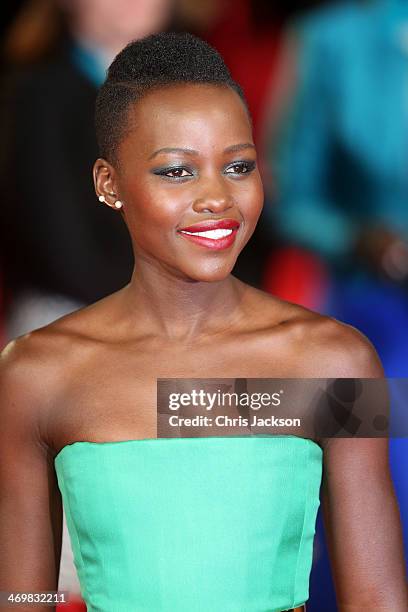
(60, 249)
(341, 170)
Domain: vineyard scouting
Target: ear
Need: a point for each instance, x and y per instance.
(105, 181)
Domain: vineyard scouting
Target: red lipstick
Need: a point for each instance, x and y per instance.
(212, 234)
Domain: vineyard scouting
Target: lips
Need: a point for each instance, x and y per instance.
(212, 234)
(211, 224)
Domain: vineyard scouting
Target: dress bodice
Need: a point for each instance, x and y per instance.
(218, 524)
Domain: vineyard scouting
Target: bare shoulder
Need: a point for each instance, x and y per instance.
(57, 342)
(27, 387)
(314, 345)
(32, 370)
(42, 350)
(36, 368)
(328, 348)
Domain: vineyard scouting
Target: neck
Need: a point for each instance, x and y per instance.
(181, 309)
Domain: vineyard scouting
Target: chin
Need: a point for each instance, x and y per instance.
(211, 274)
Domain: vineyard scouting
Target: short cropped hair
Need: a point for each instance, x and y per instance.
(153, 62)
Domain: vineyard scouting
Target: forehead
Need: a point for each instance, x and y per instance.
(198, 116)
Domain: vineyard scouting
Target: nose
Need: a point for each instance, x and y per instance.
(216, 199)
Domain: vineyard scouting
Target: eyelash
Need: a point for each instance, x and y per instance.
(247, 165)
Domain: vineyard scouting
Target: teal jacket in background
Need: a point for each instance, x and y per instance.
(343, 160)
(342, 165)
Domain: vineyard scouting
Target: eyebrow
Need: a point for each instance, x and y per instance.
(239, 147)
(231, 149)
(174, 150)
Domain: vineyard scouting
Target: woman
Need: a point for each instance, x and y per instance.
(197, 523)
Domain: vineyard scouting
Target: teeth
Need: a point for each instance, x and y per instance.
(214, 234)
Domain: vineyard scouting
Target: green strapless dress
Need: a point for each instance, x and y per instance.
(215, 524)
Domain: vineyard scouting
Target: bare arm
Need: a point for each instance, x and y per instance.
(30, 502)
(360, 509)
(363, 527)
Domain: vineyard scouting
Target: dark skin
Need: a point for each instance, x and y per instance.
(91, 376)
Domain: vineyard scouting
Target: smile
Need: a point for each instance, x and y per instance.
(212, 234)
(215, 234)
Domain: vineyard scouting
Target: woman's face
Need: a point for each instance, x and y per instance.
(187, 164)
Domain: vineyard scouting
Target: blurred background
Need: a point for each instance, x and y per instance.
(327, 86)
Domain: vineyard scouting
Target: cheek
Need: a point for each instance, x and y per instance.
(251, 200)
(151, 205)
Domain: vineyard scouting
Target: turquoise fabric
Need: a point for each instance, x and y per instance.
(342, 161)
(90, 61)
(217, 524)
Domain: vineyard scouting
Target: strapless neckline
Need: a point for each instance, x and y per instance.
(114, 443)
(205, 523)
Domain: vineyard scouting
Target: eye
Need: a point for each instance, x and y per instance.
(175, 172)
(242, 167)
